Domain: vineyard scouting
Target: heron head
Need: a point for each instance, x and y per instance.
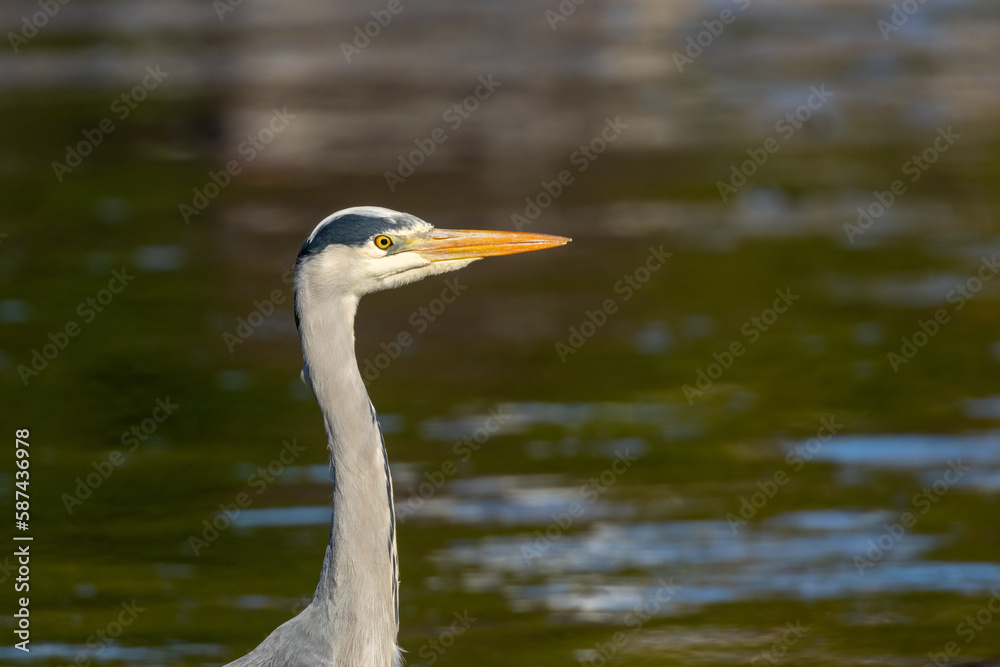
(365, 249)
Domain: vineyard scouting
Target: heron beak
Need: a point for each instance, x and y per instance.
(452, 244)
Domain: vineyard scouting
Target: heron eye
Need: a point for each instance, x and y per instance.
(383, 242)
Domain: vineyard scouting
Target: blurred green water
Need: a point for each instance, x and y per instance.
(495, 346)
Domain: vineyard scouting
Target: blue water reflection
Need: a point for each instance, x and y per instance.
(804, 556)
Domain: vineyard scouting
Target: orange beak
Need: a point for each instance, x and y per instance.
(452, 244)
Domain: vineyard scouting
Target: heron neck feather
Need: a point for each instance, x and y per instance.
(357, 588)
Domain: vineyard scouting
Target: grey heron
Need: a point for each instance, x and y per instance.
(353, 618)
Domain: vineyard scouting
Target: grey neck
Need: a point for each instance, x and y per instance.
(357, 591)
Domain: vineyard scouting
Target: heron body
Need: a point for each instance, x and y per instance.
(353, 618)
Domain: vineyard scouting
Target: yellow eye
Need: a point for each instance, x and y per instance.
(383, 242)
